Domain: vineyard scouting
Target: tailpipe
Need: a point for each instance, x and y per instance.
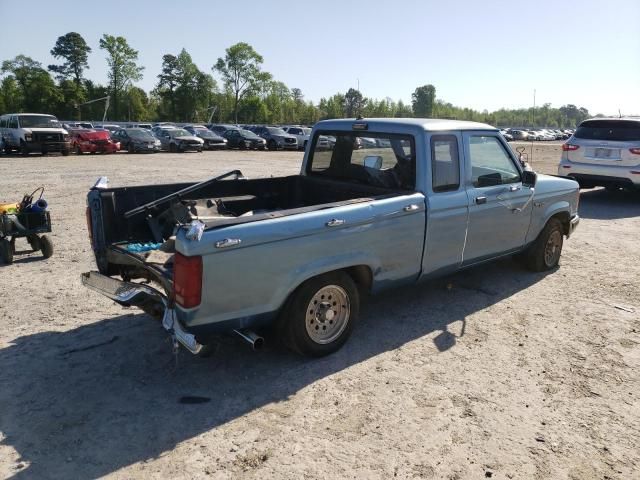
(255, 340)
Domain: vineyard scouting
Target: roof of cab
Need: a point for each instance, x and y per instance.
(428, 124)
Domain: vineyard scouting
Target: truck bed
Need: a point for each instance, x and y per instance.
(218, 204)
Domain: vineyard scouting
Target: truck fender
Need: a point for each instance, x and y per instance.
(540, 220)
(325, 265)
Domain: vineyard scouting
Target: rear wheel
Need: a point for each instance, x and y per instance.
(545, 252)
(46, 246)
(6, 251)
(272, 145)
(131, 148)
(77, 150)
(320, 315)
(173, 148)
(23, 149)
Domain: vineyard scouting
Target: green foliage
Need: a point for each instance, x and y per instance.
(74, 50)
(240, 71)
(423, 100)
(353, 103)
(123, 70)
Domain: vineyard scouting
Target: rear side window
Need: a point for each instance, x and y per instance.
(13, 122)
(615, 130)
(445, 163)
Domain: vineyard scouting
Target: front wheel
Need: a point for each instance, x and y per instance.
(544, 253)
(320, 315)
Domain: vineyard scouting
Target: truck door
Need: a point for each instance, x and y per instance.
(499, 205)
(447, 204)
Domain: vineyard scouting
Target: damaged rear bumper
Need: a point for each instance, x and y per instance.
(145, 297)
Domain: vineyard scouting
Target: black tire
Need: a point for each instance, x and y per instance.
(6, 251)
(308, 309)
(23, 149)
(545, 251)
(173, 148)
(131, 148)
(272, 145)
(65, 152)
(34, 242)
(46, 246)
(77, 150)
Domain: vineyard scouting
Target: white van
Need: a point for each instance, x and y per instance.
(33, 132)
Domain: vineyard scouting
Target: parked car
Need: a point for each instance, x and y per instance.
(302, 135)
(604, 152)
(85, 140)
(33, 132)
(179, 140)
(212, 141)
(136, 140)
(276, 138)
(296, 252)
(244, 139)
(220, 129)
(507, 136)
(518, 134)
(107, 126)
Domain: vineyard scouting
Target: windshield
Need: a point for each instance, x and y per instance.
(139, 133)
(45, 121)
(379, 159)
(205, 133)
(178, 132)
(276, 131)
(248, 134)
(614, 130)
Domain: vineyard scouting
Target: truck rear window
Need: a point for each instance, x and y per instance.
(370, 158)
(615, 130)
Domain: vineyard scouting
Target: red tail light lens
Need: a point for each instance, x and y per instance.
(187, 280)
(635, 151)
(567, 147)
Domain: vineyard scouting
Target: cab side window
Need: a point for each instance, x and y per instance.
(13, 122)
(445, 163)
(490, 162)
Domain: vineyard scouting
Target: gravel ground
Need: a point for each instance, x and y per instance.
(496, 372)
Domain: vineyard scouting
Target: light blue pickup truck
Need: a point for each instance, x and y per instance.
(395, 201)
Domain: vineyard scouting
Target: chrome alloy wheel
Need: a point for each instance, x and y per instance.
(327, 314)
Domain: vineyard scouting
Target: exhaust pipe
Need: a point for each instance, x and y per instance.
(255, 340)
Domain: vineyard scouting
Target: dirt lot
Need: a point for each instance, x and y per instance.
(496, 372)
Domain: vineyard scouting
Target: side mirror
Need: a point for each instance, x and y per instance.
(529, 178)
(373, 161)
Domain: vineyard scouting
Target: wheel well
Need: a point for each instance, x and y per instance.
(565, 219)
(362, 275)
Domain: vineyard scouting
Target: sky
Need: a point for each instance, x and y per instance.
(478, 54)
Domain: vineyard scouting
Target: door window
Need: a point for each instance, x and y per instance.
(445, 163)
(490, 162)
(13, 122)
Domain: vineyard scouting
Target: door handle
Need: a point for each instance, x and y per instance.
(334, 222)
(228, 242)
(514, 188)
(411, 208)
(481, 200)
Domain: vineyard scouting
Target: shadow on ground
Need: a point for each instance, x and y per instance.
(90, 401)
(600, 204)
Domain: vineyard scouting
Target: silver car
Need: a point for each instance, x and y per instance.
(604, 152)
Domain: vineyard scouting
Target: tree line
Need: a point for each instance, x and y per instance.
(184, 93)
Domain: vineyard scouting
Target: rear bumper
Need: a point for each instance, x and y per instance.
(148, 299)
(601, 175)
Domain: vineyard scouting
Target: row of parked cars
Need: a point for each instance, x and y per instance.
(542, 134)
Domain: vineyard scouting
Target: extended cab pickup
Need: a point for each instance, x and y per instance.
(427, 198)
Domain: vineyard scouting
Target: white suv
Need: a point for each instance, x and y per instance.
(33, 132)
(604, 152)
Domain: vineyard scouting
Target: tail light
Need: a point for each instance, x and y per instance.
(568, 147)
(187, 280)
(635, 151)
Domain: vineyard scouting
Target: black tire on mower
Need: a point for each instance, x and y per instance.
(46, 246)
(6, 251)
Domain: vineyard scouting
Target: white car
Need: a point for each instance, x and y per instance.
(303, 134)
(604, 152)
